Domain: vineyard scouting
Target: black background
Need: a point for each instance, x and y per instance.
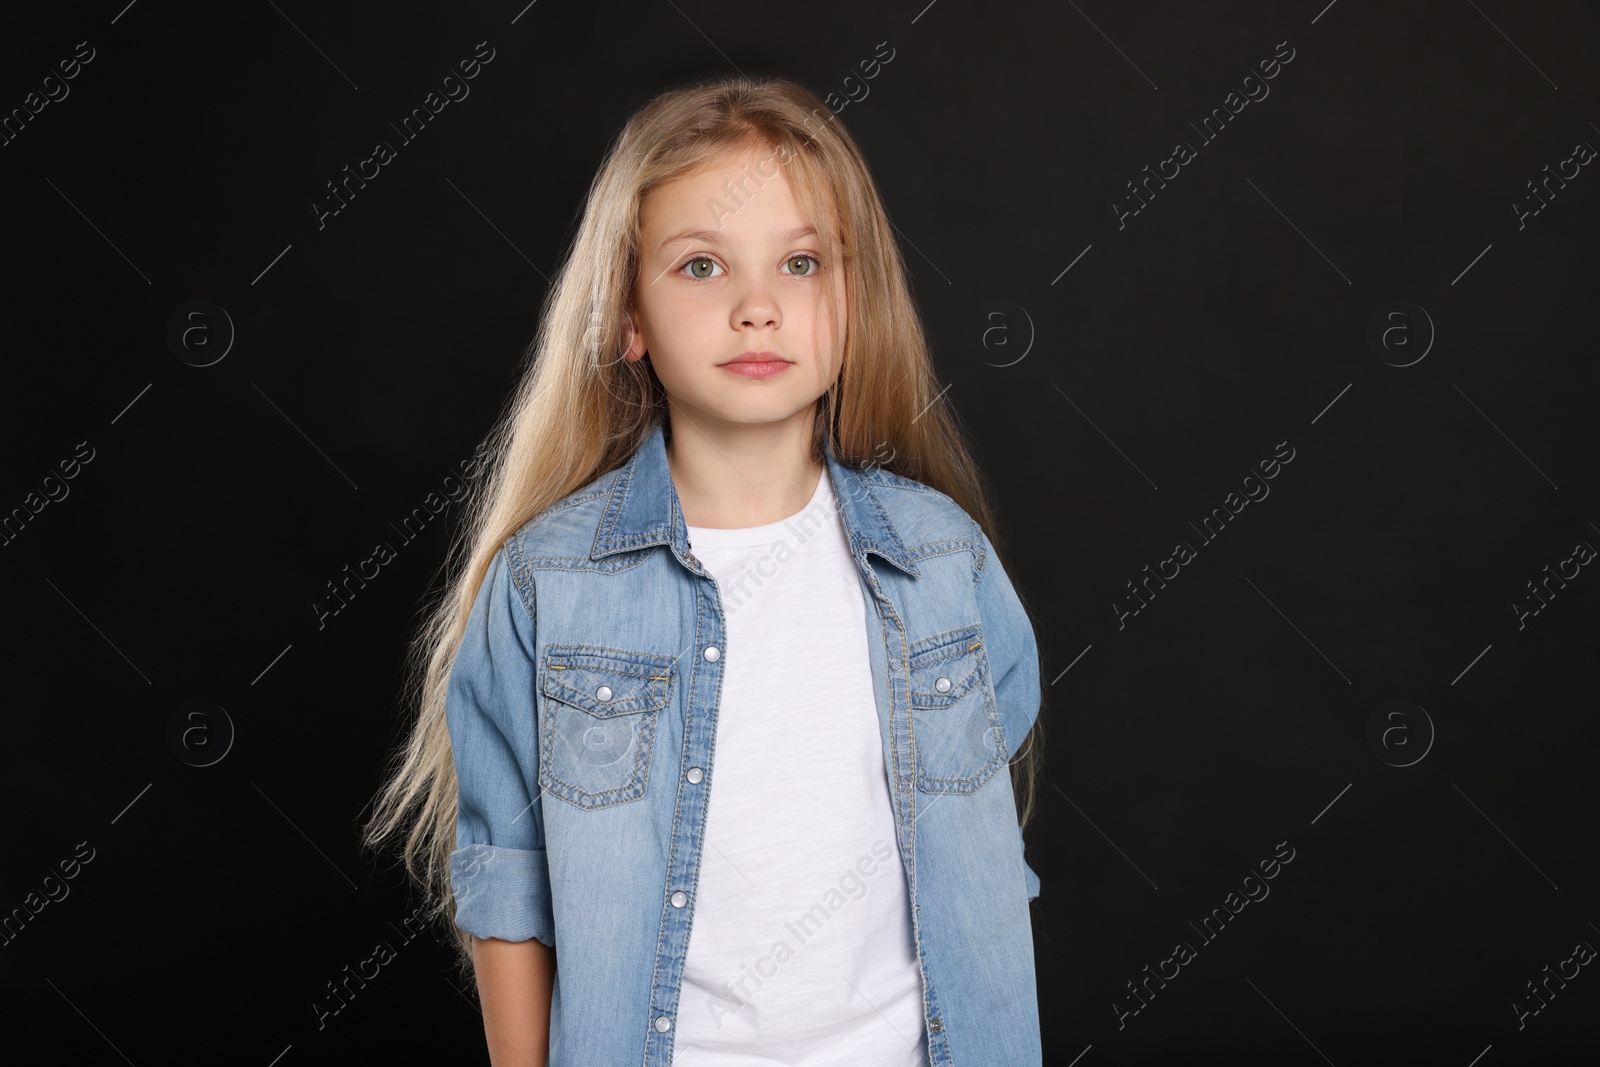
(1113, 404)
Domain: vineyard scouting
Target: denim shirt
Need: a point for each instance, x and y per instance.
(582, 708)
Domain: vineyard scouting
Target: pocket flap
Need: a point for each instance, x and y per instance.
(945, 667)
(606, 684)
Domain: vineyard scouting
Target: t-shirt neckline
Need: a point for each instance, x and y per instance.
(765, 534)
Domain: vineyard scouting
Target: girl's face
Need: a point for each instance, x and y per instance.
(728, 267)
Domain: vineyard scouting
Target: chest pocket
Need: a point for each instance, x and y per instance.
(597, 722)
(955, 726)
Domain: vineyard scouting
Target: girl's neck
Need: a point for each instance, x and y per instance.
(732, 476)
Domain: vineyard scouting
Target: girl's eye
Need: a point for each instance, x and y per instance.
(801, 259)
(694, 265)
(703, 268)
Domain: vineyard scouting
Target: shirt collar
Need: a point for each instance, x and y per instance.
(643, 508)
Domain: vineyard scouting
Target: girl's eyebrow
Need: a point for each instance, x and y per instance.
(710, 236)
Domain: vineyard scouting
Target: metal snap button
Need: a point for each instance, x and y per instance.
(603, 693)
(713, 653)
(895, 664)
(942, 685)
(694, 775)
(935, 1025)
(663, 1024)
(679, 899)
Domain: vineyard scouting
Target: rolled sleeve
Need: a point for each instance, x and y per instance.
(1013, 649)
(499, 871)
(1029, 876)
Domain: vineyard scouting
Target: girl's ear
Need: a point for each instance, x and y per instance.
(636, 347)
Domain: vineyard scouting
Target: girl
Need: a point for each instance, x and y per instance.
(706, 766)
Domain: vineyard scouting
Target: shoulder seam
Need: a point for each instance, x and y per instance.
(578, 496)
(981, 556)
(887, 477)
(521, 575)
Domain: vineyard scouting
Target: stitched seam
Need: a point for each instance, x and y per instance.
(521, 574)
(980, 554)
(946, 547)
(672, 853)
(595, 489)
(638, 785)
(933, 700)
(976, 781)
(618, 490)
(937, 642)
(564, 653)
(892, 480)
(609, 709)
(586, 565)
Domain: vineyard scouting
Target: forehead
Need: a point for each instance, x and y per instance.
(741, 192)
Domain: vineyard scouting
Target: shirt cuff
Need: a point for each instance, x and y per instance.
(502, 893)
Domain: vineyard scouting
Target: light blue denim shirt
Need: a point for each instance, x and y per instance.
(582, 708)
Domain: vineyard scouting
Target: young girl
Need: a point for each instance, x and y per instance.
(712, 720)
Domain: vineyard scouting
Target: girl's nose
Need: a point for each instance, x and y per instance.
(757, 308)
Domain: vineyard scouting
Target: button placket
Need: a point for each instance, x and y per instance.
(699, 724)
(900, 701)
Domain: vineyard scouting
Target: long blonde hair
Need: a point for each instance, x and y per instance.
(580, 410)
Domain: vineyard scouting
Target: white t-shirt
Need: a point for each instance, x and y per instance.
(800, 949)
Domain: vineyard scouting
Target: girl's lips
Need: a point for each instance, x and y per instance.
(763, 368)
